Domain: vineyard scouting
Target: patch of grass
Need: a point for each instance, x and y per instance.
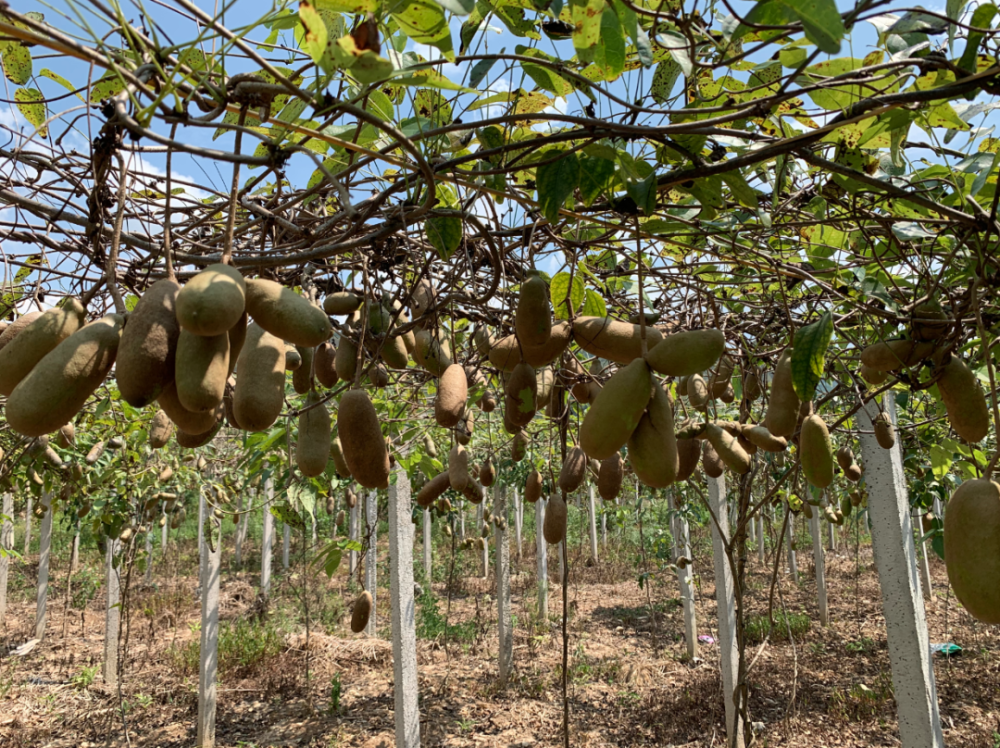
(756, 627)
(431, 623)
(85, 677)
(863, 645)
(246, 646)
(860, 702)
(86, 583)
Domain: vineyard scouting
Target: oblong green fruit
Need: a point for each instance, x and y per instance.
(533, 315)
(146, 355)
(697, 391)
(293, 360)
(452, 394)
(361, 439)
(202, 369)
(346, 359)
(574, 470)
(652, 447)
(613, 339)
(610, 477)
(845, 457)
(312, 447)
(728, 448)
(394, 352)
(783, 408)
(543, 393)
(686, 353)
(342, 303)
(616, 411)
(761, 438)
(483, 340)
(212, 301)
(260, 380)
(193, 441)
(302, 377)
(890, 355)
(533, 487)
(963, 398)
(325, 365)
(522, 394)
(36, 340)
(237, 337)
(872, 376)
(14, 329)
(57, 388)
(458, 467)
(189, 421)
(518, 446)
(816, 451)
(432, 352)
(972, 548)
(432, 489)
(554, 527)
(337, 455)
(160, 429)
(710, 461)
(285, 314)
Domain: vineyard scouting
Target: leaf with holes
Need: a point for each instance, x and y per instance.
(31, 104)
(809, 356)
(567, 294)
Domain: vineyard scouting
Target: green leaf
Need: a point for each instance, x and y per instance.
(610, 54)
(593, 305)
(982, 19)
(567, 294)
(285, 513)
(664, 79)
(365, 65)
(314, 40)
(17, 64)
(555, 182)
(644, 193)
(587, 16)
(58, 79)
(110, 85)
(740, 189)
(941, 460)
(809, 356)
(480, 71)
(359, 7)
(821, 21)
(31, 104)
(424, 21)
(445, 234)
(595, 177)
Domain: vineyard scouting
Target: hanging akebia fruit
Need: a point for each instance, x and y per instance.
(816, 452)
(361, 440)
(610, 476)
(885, 434)
(964, 400)
(891, 355)
(574, 470)
(652, 447)
(685, 353)
(613, 339)
(533, 487)
(783, 408)
(487, 474)
(616, 411)
(972, 547)
(362, 612)
(533, 315)
(554, 527)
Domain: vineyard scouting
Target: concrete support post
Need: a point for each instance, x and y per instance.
(484, 555)
(461, 521)
(726, 600)
(592, 508)
(286, 537)
(44, 554)
(518, 520)
(164, 534)
(427, 546)
(7, 544)
(685, 577)
(371, 557)
(542, 554)
(112, 614)
(148, 575)
(793, 566)
(923, 563)
(29, 515)
(74, 555)
(208, 660)
(761, 535)
(831, 537)
(404, 634)
(241, 531)
(902, 601)
(267, 541)
(352, 532)
(820, 562)
(505, 630)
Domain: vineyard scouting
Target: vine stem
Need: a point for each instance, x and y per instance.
(111, 265)
(227, 249)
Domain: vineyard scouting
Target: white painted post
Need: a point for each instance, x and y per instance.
(404, 634)
(74, 557)
(112, 614)
(267, 541)
(820, 562)
(201, 529)
(761, 536)
(286, 536)
(427, 546)
(752, 532)
(505, 630)
(902, 601)
(461, 520)
(831, 537)
(164, 534)
(240, 531)
(685, 577)
(923, 563)
(793, 567)
(44, 551)
(371, 557)
(352, 533)
(518, 520)
(593, 524)
(7, 544)
(148, 576)
(604, 527)
(485, 553)
(725, 597)
(28, 516)
(208, 664)
(542, 550)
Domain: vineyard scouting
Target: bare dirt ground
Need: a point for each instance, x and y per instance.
(630, 682)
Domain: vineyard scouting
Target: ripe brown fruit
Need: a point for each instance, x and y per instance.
(533, 315)
(362, 612)
(361, 440)
(341, 303)
(652, 447)
(14, 329)
(616, 411)
(36, 340)
(521, 390)
(554, 527)
(160, 429)
(890, 355)
(65, 437)
(186, 420)
(325, 364)
(972, 547)
(783, 408)
(507, 353)
(763, 439)
(432, 352)
(686, 353)
(452, 394)
(872, 376)
(613, 339)
(963, 399)
(302, 376)
(885, 433)
(193, 441)
(378, 376)
(853, 472)
(487, 473)
(260, 380)
(432, 489)
(473, 491)
(533, 487)
(711, 462)
(202, 369)
(697, 391)
(212, 301)
(751, 385)
(285, 314)
(574, 470)
(845, 457)
(610, 476)
(346, 359)
(728, 448)
(483, 340)
(458, 467)
(312, 448)
(816, 451)
(543, 394)
(58, 386)
(293, 360)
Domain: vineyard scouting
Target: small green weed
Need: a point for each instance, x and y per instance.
(861, 702)
(335, 688)
(861, 646)
(431, 624)
(756, 627)
(85, 677)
